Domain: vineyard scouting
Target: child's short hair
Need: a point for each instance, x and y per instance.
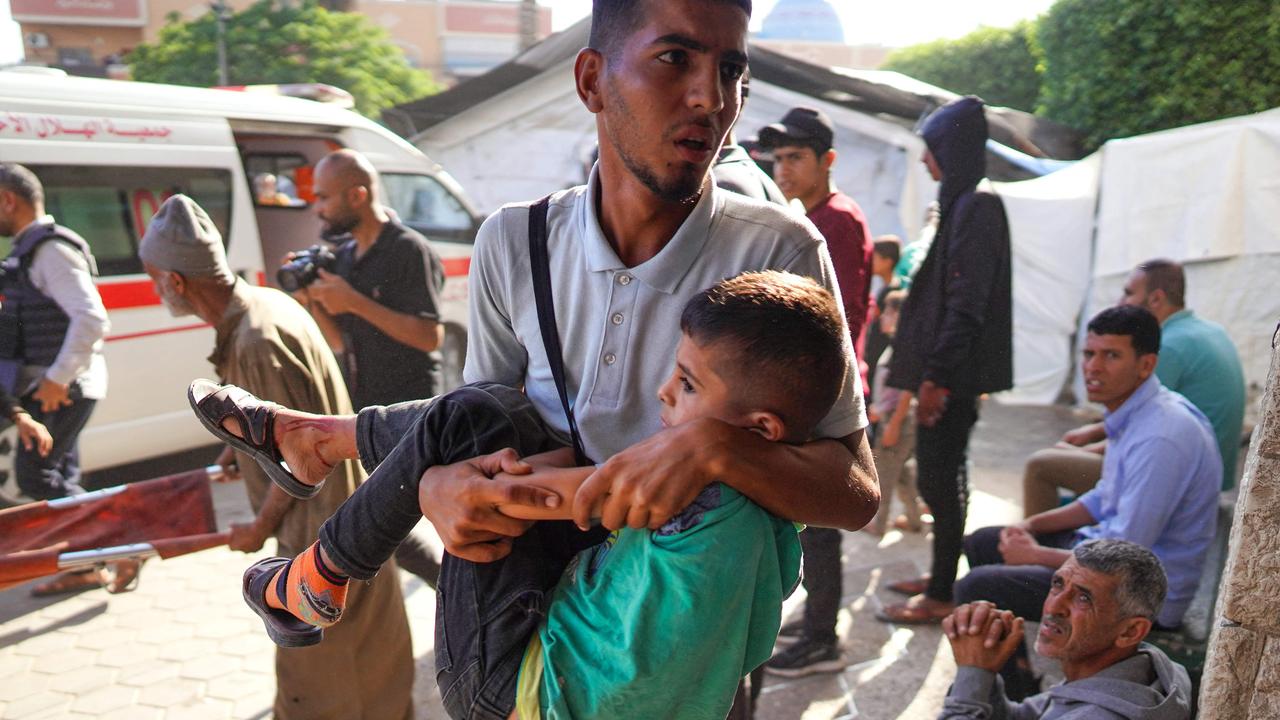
(888, 246)
(786, 342)
(893, 301)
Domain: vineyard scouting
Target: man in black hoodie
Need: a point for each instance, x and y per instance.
(954, 341)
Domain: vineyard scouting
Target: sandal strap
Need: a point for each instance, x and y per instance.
(255, 417)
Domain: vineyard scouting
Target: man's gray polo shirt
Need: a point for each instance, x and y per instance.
(619, 326)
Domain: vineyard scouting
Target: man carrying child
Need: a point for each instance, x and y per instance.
(625, 253)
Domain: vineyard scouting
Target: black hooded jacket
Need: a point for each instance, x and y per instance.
(956, 327)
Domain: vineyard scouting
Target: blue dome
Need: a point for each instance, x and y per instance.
(811, 20)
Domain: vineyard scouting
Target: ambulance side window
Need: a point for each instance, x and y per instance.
(279, 180)
(111, 206)
(427, 206)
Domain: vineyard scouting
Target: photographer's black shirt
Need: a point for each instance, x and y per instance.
(402, 272)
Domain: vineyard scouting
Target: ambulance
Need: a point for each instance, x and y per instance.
(110, 152)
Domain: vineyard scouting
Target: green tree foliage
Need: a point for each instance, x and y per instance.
(1000, 65)
(1115, 68)
(281, 42)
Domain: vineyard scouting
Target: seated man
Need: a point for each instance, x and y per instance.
(1159, 485)
(1100, 606)
(1197, 360)
(632, 616)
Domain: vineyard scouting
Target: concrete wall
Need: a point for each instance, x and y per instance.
(1242, 673)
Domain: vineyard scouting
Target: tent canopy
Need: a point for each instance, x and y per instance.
(528, 107)
(886, 94)
(1203, 195)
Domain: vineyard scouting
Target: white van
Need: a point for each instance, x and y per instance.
(110, 152)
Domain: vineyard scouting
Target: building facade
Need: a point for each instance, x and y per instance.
(453, 39)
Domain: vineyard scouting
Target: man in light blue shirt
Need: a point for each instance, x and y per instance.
(1159, 486)
(1197, 360)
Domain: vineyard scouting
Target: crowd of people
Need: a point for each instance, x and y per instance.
(670, 371)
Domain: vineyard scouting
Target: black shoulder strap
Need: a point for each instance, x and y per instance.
(540, 265)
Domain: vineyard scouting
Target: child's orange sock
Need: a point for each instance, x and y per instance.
(309, 589)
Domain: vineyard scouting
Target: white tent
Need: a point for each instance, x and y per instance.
(1206, 195)
(1051, 229)
(520, 131)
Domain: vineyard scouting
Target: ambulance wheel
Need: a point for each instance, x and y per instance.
(10, 495)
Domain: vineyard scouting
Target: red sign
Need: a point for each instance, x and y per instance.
(103, 12)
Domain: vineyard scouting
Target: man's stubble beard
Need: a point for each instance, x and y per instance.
(339, 227)
(177, 305)
(686, 187)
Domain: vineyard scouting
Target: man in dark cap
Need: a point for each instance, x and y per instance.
(269, 345)
(954, 341)
(802, 159)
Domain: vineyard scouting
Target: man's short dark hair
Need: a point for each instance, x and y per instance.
(20, 181)
(612, 21)
(1137, 322)
(888, 246)
(1167, 275)
(1141, 583)
(784, 339)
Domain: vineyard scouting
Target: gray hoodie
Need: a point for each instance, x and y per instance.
(1124, 691)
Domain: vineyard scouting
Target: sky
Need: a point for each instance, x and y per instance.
(894, 23)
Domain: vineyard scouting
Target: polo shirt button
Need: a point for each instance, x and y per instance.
(617, 318)
(624, 279)
(610, 359)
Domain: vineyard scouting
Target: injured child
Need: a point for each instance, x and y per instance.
(639, 623)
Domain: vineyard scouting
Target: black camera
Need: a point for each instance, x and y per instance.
(305, 267)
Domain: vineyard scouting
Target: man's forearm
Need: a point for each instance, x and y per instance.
(1052, 558)
(417, 332)
(273, 510)
(1070, 517)
(826, 483)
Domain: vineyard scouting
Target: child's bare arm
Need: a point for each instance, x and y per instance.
(560, 458)
(563, 481)
(903, 409)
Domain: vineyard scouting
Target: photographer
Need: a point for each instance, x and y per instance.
(379, 301)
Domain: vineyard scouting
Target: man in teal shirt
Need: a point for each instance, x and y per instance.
(1197, 360)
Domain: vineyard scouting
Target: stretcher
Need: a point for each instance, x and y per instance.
(165, 517)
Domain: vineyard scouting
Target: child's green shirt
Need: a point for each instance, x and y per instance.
(663, 624)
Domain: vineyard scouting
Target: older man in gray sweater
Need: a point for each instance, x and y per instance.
(1100, 607)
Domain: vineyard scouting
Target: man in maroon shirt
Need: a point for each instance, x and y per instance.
(802, 160)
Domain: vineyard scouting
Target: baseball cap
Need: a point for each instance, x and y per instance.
(804, 124)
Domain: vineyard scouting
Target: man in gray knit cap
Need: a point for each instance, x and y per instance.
(269, 345)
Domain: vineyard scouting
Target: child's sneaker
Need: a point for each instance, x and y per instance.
(806, 657)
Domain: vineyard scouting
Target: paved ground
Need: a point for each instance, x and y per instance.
(156, 653)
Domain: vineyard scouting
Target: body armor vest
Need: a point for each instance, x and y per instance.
(32, 326)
